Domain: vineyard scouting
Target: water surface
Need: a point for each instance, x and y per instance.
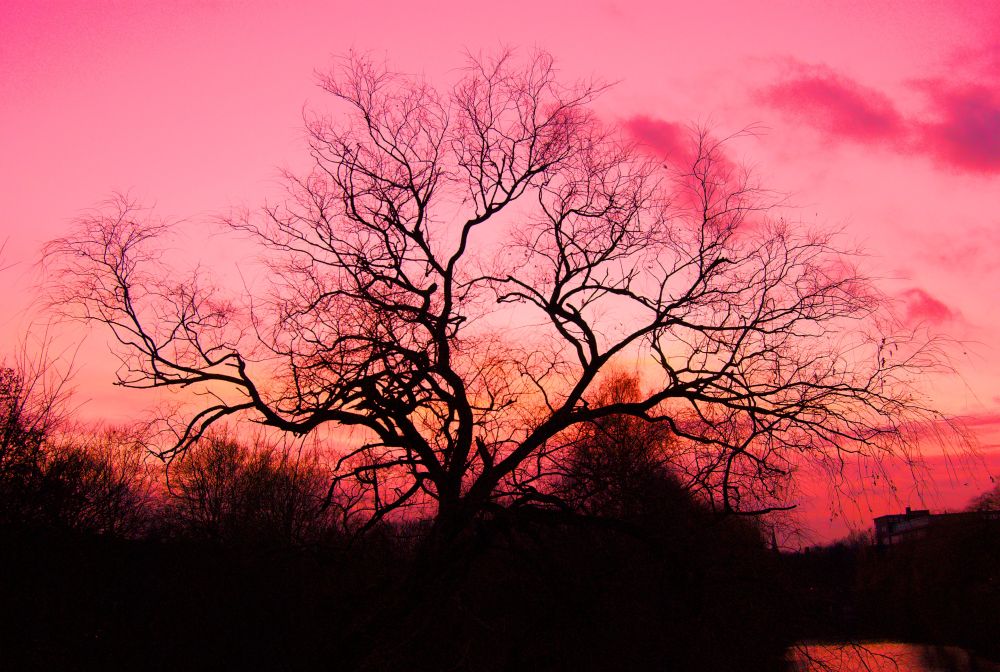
(886, 657)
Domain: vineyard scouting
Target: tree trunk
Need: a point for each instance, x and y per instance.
(423, 599)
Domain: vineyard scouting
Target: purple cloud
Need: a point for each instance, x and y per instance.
(964, 133)
(968, 134)
(839, 106)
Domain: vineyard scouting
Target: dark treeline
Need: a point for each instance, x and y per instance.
(231, 559)
(942, 588)
(235, 557)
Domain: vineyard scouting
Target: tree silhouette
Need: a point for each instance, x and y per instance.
(461, 269)
(52, 474)
(621, 466)
(33, 396)
(986, 501)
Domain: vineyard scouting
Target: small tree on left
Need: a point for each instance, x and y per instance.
(53, 475)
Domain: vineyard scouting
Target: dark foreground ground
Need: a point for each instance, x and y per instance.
(545, 597)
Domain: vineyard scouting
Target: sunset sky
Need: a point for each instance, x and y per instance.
(878, 118)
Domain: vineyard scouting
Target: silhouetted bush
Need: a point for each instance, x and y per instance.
(619, 467)
(99, 483)
(227, 490)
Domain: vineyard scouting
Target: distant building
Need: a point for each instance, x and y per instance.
(913, 525)
(895, 527)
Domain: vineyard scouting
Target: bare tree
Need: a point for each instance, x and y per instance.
(460, 270)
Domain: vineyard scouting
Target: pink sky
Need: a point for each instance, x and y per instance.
(880, 118)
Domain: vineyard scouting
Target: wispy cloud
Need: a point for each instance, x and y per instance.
(838, 106)
(976, 251)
